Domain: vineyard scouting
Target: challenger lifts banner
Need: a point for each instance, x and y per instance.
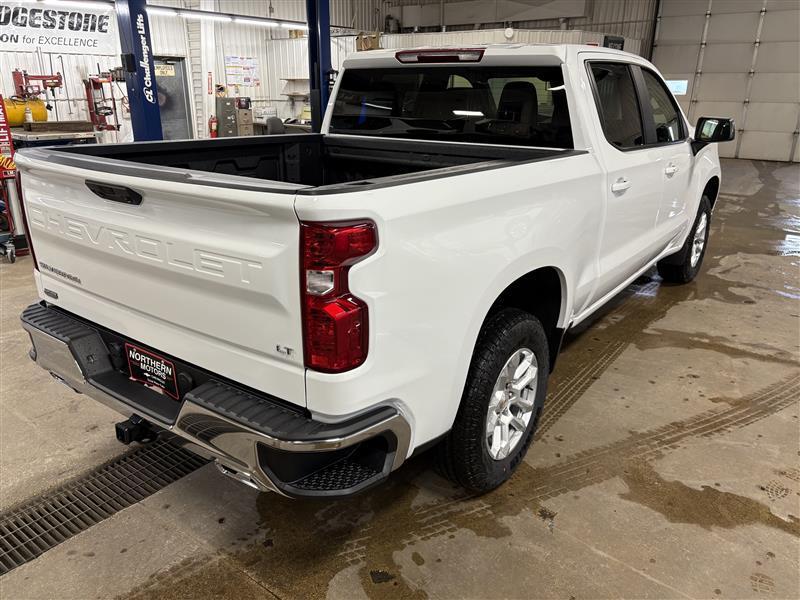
(25, 26)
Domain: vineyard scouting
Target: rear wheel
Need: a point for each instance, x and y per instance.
(500, 407)
(683, 266)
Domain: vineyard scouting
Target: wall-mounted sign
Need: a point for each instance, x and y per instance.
(241, 71)
(165, 70)
(67, 30)
(678, 87)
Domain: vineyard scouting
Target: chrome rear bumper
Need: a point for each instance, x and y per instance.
(299, 457)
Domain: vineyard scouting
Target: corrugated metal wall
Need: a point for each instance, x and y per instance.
(288, 58)
(204, 44)
(69, 104)
(357, 14)
(632, 19)
(629, 18)
(495, 36)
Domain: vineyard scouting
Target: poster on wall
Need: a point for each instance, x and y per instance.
(71, 29)
(241, 71)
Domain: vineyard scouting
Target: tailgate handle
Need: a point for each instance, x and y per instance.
(115, 193)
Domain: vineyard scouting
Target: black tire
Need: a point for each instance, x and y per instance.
(678, 268)
(463, 455)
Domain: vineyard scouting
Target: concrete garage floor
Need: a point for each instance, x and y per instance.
(666, 465)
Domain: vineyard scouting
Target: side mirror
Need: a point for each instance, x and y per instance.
(710, 130)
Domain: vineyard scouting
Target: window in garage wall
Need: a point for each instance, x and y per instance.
(741, 58)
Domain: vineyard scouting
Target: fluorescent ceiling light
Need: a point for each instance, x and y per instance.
(468, 113)
(220, 17)
(162, 10)
(259, 22)
(191, 14)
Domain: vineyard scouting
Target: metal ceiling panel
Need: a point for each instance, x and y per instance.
(775, 87)
(732, 27)
(733, 110)
(772, 116)
(778, 57)
(722, 86)
(728, 58)
(765, 145)
(781, 25)
(683, 8)
(735, 6)
(674, 58)
(672, 30)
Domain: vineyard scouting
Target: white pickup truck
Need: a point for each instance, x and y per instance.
(309, 310)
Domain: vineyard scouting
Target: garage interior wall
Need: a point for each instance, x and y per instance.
(740, 59)
(628, 18)
(169, 38)
(204, 44)
(288, 58)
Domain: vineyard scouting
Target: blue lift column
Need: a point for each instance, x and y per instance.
(139, 67)
(319, 58)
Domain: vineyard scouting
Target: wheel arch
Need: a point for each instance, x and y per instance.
(541, 292)
(711, 190)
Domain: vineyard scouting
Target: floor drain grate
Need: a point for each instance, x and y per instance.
(33, 528)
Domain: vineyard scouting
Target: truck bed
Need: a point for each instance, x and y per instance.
(308, 163)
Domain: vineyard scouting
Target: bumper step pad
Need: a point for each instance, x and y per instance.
(343, 475)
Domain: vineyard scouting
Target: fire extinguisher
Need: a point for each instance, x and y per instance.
(212, 126)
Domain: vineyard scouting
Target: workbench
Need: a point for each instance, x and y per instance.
(30, 139)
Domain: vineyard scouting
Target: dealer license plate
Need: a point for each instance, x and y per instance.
(152, 370)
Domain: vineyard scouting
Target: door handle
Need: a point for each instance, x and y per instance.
(620, 185)
(670, 170)
(115, 193)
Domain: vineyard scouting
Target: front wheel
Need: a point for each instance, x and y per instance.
(683, 266)
(500, 407)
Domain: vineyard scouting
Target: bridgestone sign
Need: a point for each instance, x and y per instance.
(25, 26)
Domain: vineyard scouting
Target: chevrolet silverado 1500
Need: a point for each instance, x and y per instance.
(309, 310)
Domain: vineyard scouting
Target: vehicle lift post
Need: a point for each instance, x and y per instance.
(140, 69)
(319, 58)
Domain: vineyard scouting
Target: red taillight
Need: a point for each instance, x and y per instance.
(335, 322)
(440, 55)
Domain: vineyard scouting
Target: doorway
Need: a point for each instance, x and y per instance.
(173, 98)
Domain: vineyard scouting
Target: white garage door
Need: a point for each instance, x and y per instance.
(740, 59)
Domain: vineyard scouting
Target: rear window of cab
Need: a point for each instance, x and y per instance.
(490, 105)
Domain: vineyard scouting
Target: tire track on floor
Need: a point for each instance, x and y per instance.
(580, 470)
(569, 392)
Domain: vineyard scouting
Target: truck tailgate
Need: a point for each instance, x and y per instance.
(205, 273)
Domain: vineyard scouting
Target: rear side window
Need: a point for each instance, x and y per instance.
(667, 119)
(520, 106)
(618, 104)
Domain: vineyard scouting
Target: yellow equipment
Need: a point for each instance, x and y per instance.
(15, 110)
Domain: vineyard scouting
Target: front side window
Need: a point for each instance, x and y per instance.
(667, 119)
(618, 104)
(521, 106)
